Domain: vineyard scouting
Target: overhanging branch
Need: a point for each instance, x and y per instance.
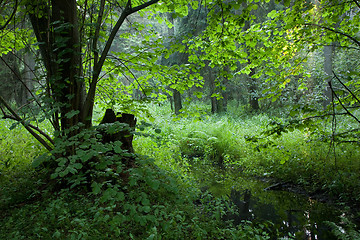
(352, 94)
(342, 105)
(41, 132)
(357, 3)
(27, 127)
(335, 31)
(12, 15)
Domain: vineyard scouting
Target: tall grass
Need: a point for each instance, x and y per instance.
(299, 156)
(17, 147)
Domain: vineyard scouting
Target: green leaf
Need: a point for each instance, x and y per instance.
(54, 175)
(72, 113)
(120, 196)
(272, 14)
(64, 173)
(117, 147)
(157, 130)
(62, 161)
(146, 209)
(243, 54)
(39, 160)
(154, 184)
(77, 165)
(198, 94)
(96, 188)
(145, 202)
(56, 234)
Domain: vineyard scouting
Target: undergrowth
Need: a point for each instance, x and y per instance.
(108, 201)
(300, 156)
(161, 199)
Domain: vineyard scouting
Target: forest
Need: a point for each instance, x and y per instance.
(152, 119)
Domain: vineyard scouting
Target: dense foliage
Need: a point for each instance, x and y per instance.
(262, 88)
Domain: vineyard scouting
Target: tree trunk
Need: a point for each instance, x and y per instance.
(225, 94)
(126, 135)
(177, 101)
(61, 53)
(56, 27)
(214, 103)
(217, 104)
(69, 70)
(253, 98)
(176, 94)
(27, 76)
(328, 68)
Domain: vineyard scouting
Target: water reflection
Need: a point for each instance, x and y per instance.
(291, 214)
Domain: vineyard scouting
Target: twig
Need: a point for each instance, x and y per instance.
(358, 142)
(19, 78)
(356, 2)
(335, 31)
(347, 111)
(352, 94)
(350, 131)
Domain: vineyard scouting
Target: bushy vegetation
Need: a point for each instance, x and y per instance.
(142, 202)
(300, 156)
(160, 198)
(290, 67)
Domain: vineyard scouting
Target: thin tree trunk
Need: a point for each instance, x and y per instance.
(328, 68)
(176, 93)
(28, 76)
(177, 101)
(214, 103)
(253, 98)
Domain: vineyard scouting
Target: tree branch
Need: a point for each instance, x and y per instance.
(352, 94)
(97, 31)
(335, 31)
(143, 6)
(29, 129)
(12, 15)
(33, 127)
(356, 2)
(89, 102)
(19, 78)
(347, 111)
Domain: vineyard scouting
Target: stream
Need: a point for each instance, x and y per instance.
(292, 214)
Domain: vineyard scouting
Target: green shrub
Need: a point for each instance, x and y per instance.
(108, 201)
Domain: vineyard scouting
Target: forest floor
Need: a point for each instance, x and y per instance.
(301, 161)
(184, 154)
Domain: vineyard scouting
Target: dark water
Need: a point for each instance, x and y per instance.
(292, 214)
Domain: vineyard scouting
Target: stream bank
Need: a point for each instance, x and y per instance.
(293, 213)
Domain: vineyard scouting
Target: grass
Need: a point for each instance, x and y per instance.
(298, 156)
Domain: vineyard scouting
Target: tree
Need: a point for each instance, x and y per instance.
(74, 39)
(64, 33)
(175, 93)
